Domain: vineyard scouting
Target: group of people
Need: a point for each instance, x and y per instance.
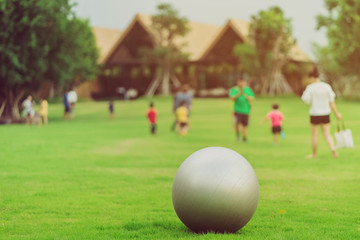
(319, 95)
(181, 110)
(33, 117)
(41, 117)
(243, 95)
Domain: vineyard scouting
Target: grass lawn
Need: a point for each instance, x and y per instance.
(96, 178)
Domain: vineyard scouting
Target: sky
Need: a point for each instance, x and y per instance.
(118, 14)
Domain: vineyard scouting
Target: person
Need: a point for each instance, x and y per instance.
(175, 106)
(72, 99)
(43, 113)
(242, 95)
(276, 118)
(182, 119)
(29, 111)
(321, 98)
(111, 109)
(66, 105)
(183, 95)
(152, 115)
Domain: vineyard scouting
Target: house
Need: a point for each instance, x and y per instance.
(211, 63)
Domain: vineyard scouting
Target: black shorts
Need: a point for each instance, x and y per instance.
(243, 119)
(183, 124)
(319, 119)
(276, 129)
(67, 109)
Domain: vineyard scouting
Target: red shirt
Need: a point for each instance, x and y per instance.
(151, 114)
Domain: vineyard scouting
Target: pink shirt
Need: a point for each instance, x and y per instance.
(276, 118)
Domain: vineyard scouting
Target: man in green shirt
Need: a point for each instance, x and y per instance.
(242, 96)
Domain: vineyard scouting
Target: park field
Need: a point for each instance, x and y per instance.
(100, 178)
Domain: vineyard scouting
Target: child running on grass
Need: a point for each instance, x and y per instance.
(151, 115)
(182, 119)
(111, 109)
(276, 118)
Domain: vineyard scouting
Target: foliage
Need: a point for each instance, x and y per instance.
(341, 57)
(270, 32)
(41, 41)
(247, 53)
(269, 43)
(168, 28)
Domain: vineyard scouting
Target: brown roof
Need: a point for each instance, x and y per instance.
(196, 41)
(105, 40)
(199, 41)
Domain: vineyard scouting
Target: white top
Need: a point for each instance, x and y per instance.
(319, 95)
(28, 107)
(72, 97)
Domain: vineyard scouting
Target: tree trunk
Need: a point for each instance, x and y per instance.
(2, 108)
(10, 104)
(166, 82)
(164, 79)
(153, 86)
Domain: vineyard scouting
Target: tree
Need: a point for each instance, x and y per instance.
(268, 47)
(168, 28)
(41, 41)
(340, 59)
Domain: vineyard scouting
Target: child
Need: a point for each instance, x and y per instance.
(276, 118)
(29, 111)
(43, 112)
(111, 109)
(151, 115)
(182, 119)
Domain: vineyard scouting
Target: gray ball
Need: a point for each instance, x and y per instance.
(215, 189)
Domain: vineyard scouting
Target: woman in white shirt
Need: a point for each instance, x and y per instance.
(321, 98)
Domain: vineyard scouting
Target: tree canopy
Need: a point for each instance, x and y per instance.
(41, 41)
(340, 59)
(269, 41)
(168, 28)
(342, 26)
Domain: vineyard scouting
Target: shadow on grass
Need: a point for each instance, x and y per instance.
(167, 228)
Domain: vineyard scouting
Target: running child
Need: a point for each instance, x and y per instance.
(43, 112)
(151, 115)
(276, 118)
(182, 119)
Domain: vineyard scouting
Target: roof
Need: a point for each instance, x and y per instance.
(105, 40)
(198, 42)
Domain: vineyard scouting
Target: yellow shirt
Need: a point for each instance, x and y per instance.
(182, 114)
(44, 108)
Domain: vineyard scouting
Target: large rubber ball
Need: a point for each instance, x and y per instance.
(215, 190)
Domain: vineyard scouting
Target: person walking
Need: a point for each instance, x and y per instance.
(183, 95)
(29, 110)
(182, 119)
(242, 95)
(67, 106)
(43, 113)
(152, 117)
(321, 98)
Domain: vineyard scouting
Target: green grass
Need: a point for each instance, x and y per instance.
(96, 178)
